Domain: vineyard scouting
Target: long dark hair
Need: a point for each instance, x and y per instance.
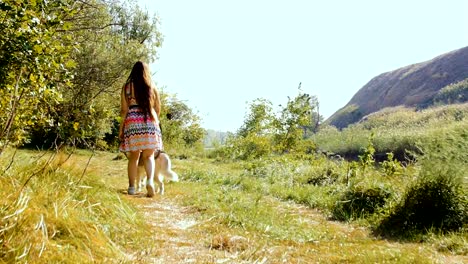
(140, 78)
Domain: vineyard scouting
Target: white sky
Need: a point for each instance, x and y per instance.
(217, 55)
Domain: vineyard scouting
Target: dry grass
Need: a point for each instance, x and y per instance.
(52, 211)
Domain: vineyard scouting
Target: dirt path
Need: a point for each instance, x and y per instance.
(172, 232)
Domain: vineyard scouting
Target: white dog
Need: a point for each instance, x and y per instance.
(163, 169)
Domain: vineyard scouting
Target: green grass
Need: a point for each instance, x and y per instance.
(275, 210)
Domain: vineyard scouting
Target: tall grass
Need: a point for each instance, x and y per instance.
(51, 211)
(264, 201)
(396, 130)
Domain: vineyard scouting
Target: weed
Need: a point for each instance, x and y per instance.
(391, 166)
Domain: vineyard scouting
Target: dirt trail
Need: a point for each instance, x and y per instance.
(172, 233)
(171, 238)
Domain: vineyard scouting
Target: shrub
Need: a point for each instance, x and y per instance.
(438, 199)
(321, 176)
(453, 93)
(359, 202)
(426, 205)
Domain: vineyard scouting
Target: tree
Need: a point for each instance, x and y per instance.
(296, 119)
(110, 37)
(34, 64)
(180, 125)
(259, 120)
(253, 139)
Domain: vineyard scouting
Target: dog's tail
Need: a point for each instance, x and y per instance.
(171, 175)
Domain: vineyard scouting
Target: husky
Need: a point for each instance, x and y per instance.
(162, 170)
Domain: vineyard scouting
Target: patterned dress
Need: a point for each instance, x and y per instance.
(138, 133)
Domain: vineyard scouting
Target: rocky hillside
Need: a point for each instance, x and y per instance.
(417, 85)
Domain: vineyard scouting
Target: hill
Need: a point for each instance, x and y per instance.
(417, 85)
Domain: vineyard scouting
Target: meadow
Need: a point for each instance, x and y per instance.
(70, 206)
(285, 188)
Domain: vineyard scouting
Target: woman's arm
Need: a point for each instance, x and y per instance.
(157, 101)
(123, 111)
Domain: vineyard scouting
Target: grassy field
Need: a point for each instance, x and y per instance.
(73, 208)
(396, 130)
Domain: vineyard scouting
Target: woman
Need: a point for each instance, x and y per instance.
(139, 129)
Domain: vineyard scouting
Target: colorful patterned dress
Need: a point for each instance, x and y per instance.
(138, 133)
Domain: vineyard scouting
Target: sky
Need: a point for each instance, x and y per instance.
(219, 55)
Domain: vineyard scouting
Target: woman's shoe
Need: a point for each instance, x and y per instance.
(150, 188)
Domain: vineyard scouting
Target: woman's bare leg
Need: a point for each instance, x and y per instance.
(132, 170)
(148, 158)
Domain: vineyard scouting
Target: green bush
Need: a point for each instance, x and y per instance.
(359, 202)
(438, 199)
(322, 176)
(429, 204)
(391, 166)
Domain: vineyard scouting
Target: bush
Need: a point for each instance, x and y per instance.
(438, 199)
(322, 176)
(359, 202)
(429, 204)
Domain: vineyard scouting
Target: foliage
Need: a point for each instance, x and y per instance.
(35, 63)
(367, 158)
(259, 119)
(296, 121)
(252, 147)
(109, 38)
(438, 198)
(345, 116)
(391, 166)
(359, 202)
(396, 130)
(63, 64)
(264, 133)
(325, 175)
(181, 127)
(431, 204)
